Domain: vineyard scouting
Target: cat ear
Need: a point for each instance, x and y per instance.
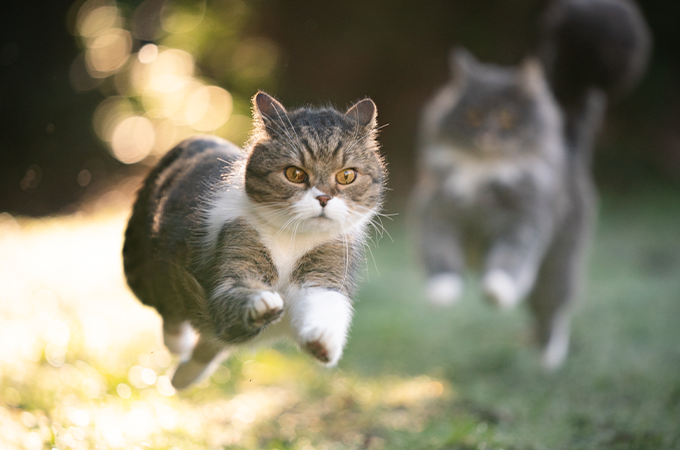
(532, 77)
(364, 112)
(266, 108)
(461, 63)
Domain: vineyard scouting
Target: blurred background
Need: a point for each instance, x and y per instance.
(92, 92)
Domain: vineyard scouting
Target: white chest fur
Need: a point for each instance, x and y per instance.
(286, 246)
(465, 176)
(286, 249)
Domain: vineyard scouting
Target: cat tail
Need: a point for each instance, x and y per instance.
(592, 50)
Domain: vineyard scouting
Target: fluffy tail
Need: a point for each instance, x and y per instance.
(592, 50)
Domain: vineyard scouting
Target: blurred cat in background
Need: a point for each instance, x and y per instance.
(245, 246)
(505, 182)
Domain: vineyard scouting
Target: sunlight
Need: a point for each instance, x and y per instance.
(83, 364)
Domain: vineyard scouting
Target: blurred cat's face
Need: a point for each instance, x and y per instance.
(486, 123)
(496, 112)
(315, 170)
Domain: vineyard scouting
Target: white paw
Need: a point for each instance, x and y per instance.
(181, 343)
(322, 318)
(501, 289)
(444, 289)
(325, 345)
(557, 349)
(265, 307)
(555, 354)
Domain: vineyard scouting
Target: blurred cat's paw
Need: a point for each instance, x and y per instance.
(326, 346)
(265, 307)
(444, 289)
(557, 348)
(192, 372)
(555, 353)
(501, 289)
(188, 372)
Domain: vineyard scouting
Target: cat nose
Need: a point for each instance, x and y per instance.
(323, 199)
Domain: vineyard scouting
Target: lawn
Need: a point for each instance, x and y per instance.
(82, 365)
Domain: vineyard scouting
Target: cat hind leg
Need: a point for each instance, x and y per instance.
(444, 262)
(179, 338)
(205, 358)
(557, 347)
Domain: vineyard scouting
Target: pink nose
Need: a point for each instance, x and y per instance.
(323, 199)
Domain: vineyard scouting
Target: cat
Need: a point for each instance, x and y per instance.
(250, 246)
(494, 191)
(505, 183)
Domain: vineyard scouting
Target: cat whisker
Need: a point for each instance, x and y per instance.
(291, 126)
(292, 238)
(362, 241)
(377, 224)
(376, 220)
(345, 257)
(285, 225)
(268, 214)
(287, 138)
(290, 140)
(378, 213)
(368, 247)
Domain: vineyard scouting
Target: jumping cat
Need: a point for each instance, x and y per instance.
(249, 246)
(505, 181)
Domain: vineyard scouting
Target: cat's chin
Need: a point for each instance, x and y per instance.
(323, 224)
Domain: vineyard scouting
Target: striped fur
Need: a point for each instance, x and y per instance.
(221, 240)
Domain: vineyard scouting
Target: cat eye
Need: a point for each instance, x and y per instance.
(295, 174)
(507, 119)
(473, 117)
(346, 176)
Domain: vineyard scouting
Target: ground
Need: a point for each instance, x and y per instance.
(82, 364)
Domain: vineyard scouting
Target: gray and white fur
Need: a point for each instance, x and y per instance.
(250, 246)
(505, 183)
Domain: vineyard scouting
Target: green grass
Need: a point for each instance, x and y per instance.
(620, 387)
(413, 376)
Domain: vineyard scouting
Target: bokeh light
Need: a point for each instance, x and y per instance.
(155, 92)
(132, 139)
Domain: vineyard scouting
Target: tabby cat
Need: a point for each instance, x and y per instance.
(249, 246)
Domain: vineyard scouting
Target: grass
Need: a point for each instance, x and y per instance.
(82, 365)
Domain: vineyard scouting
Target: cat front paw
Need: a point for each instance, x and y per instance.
(265, 307)
(501, 289)
(318, 350)
(444, 289)
(326, 346)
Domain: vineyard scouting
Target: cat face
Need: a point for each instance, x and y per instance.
(314, 170)
(498, 111)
